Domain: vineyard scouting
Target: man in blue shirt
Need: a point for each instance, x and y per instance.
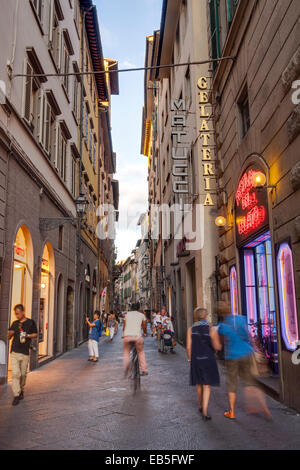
(94, 336)
(238, 357)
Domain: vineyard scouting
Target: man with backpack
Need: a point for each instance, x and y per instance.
(94, 337)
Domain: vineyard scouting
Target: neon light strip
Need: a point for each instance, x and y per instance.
(288, 309)
(233, 291)
(250, 284)
(259, 240)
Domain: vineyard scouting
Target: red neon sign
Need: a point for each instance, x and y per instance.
(254, 218)
(251, 214)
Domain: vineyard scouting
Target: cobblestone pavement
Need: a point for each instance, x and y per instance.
(73, 404)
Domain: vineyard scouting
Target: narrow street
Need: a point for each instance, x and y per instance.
(73, 404)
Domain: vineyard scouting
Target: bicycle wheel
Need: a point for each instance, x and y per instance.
(135, 372)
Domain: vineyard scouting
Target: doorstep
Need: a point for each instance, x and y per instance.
(270, 385)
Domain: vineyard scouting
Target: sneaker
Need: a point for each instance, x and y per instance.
(229, 414)
(16, 401)
(21, 396)
(144, 373)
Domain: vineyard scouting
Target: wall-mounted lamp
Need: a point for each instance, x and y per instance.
(259, 180)
(221, 222)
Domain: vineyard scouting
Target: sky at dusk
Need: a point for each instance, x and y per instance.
(124, 26)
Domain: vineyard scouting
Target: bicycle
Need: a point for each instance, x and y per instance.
(134, 371)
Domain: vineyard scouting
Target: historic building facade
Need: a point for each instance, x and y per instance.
(40, 155)
(181, 163)
(257, 129)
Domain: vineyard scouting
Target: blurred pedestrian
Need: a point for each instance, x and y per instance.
(94, 336)
(202, 341)
(23, 330)
(238, 359)
(112, 325)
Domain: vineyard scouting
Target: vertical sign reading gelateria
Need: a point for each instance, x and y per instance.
(206, 137)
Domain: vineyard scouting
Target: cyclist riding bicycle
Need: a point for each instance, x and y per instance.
(135, 320)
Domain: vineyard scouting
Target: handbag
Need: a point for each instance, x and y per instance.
(107, 332)
(259, 365)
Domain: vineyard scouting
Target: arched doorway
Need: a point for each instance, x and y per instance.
(22, 272)
(60, 315)
(70, 319)
(81, 316)
(46, 313)
(22, 276)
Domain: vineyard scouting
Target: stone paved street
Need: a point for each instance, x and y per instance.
(73, 404)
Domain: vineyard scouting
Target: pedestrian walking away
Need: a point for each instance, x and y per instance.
(134, 322)
(94, 336)
(202, 341)
(112, 325)
(22, 331)
(239, 361)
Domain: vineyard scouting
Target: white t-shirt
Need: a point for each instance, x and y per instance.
(134, 322)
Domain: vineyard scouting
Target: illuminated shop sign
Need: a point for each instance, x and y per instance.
(251, 207)
(180, 150)
(206, 139)
(179, 154)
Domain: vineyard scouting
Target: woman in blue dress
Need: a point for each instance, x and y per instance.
(202, 341)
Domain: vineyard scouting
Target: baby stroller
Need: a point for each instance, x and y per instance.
(166, 341)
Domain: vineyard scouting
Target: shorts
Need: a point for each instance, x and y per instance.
(239, 368)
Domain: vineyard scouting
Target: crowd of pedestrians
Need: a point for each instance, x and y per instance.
(202, 343)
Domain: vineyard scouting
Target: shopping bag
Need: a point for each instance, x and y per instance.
(107, 331)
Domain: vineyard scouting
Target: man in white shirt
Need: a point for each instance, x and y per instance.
(134, 322)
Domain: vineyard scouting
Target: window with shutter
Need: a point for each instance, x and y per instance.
(56, 145)
(86, 127)
(38, 6)
(94, 156)
(75, 96)
(40, 116)
(90, 144)
(76, 13)
(55, 37)
(27, 92)
(65, 63)
(47, 126)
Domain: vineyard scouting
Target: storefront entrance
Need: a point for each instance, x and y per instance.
(46, 304)
(256, 262)
(259, 296)
(22, 285)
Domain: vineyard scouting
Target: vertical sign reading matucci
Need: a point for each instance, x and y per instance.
(206, 139)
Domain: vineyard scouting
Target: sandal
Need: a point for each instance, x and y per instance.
(229, 414)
